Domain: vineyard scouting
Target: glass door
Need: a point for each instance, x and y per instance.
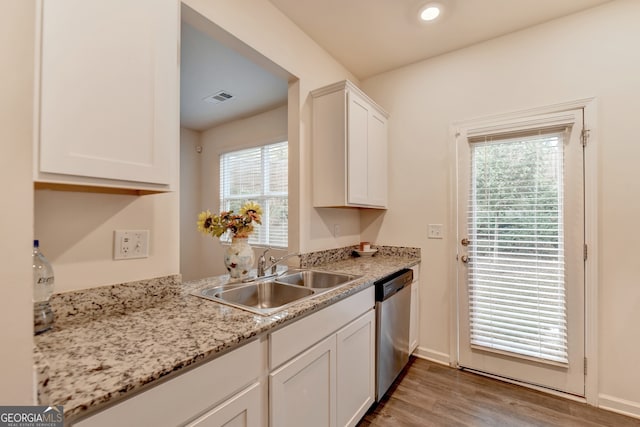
(520, 251)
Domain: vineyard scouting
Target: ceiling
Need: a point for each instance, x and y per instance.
(369, 37)
(208, 66)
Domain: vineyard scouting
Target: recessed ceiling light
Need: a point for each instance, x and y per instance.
(430, 12)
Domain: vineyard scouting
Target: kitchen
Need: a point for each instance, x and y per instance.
(592, 55)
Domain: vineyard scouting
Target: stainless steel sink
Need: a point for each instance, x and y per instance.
(261, 297)
(267, 296)
(264, 295)
(314, 279)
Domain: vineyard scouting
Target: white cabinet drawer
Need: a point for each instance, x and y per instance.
(287, 342)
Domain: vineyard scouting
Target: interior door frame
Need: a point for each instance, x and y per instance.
(591, 191)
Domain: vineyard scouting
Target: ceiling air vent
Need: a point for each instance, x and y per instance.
(218, 97)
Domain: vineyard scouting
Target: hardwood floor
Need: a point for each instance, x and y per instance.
(429, 394)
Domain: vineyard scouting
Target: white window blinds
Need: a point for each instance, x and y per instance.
(259, 174)
(516, 252)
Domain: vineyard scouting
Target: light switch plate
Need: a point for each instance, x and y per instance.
(130, 244)
(435, 231)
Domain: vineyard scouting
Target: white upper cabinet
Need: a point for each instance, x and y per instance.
(108, 93)
(349, 138)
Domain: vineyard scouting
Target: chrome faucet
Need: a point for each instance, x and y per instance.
(274, 262)
(262, 262)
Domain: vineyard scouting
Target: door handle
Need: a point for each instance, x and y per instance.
(464, 259)
(465, 242)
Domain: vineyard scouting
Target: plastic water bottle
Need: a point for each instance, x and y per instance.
(42, 290)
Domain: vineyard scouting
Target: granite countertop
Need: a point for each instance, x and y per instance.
(108, 342)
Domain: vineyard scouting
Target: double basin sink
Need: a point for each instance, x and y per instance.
(266, 296)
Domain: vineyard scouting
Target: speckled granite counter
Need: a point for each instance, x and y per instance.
(110, 341)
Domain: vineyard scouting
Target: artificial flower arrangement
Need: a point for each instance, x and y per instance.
(240, 225)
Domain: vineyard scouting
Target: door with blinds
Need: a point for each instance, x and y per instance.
(520, 249)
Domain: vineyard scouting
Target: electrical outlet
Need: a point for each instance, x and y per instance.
(130, 244)
(435, 231)
(336, 230)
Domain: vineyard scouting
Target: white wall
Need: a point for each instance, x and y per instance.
(594, 53)
(16, 204)
(265, 128)
(266, 30)
(76, 232)
(190, 205)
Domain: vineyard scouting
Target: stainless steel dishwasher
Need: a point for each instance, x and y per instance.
(393, 305)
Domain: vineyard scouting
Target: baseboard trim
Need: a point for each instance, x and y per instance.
(432, 355)
(620, 406)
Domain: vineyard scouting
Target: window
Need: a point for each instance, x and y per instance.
(259, 174)
(517, 277)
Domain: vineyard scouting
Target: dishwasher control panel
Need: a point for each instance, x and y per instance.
(393, 283)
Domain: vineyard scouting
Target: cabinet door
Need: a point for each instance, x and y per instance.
(242, 410)
(302, 392)
(415, 313)
(355, 369)
(377, 159)
(109, 89)
(357, 150)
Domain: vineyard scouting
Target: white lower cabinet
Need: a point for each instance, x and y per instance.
(414, 325)
(319, 371)
(356, 344)
(330, 384)
(302, 392)
(228, 391)
(323, 366)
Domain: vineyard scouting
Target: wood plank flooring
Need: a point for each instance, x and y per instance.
(429, 394)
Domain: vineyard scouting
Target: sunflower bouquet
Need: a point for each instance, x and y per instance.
(239, 225)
